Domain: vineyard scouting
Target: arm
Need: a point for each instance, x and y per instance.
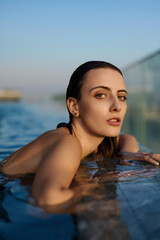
(128, 146)
(56, 171)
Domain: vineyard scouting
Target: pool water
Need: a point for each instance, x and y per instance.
(112, 201)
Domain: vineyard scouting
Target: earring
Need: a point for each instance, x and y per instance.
(75, 114)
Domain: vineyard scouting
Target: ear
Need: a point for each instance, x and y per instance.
(72, 104)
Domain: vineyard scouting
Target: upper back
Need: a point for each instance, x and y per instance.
(28, 158)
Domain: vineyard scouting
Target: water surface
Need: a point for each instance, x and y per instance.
(112, 201)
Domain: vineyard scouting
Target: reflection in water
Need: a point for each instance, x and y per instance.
(3, 213)
(18, 214)
(98, 212)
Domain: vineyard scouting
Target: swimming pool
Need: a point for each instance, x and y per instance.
(124, 205)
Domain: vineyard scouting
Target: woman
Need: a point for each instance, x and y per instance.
(96, 100)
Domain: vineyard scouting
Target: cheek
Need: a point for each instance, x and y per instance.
(92, 109)
(85, 110)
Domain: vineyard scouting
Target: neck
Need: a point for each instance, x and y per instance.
(89, 143)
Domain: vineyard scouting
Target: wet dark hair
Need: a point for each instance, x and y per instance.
(108, 147)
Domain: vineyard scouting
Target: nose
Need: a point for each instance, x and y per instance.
(115, 104)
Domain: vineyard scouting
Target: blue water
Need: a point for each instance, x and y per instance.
(123, 207)
(20, 123)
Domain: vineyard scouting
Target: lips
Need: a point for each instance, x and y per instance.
(114, 121)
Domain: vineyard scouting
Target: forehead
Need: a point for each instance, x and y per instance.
(103, 77)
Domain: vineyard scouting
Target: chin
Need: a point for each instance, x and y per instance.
(115, 134)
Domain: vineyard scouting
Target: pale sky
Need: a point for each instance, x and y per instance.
(43, 41)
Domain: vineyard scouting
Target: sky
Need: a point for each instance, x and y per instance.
(43, 41)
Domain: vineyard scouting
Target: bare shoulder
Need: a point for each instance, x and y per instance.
(28, 158)
(64, 155)
(60, 138)
(127, 143)
(126, 136)
(66, 143)
(57, 169)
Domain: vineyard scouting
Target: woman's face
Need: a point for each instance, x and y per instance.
(102, 106)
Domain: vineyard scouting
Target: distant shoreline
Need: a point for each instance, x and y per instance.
(10, 95)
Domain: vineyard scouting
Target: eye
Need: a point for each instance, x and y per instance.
(122, 98)
(100, 95)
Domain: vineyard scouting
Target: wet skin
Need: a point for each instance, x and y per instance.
(55, 156)
(102, 106)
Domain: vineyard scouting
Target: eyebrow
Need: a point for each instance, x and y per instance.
(107, 88)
